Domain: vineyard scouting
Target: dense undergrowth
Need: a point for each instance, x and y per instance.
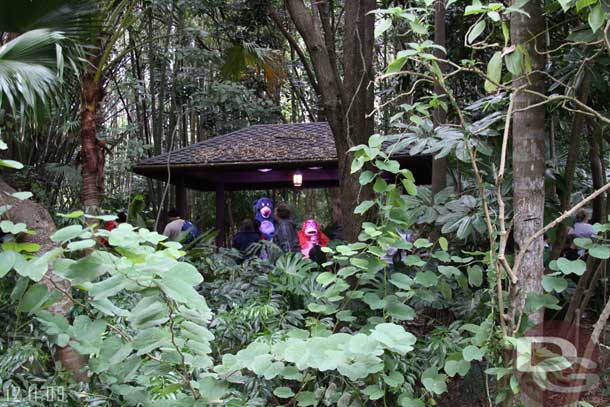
(160, 326)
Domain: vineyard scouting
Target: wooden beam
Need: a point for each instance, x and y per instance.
(206, 179)
(181, 197)
(220, 214)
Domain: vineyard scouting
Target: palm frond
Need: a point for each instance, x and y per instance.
(74, 18)
(239, 58)
(32, 64)
(30, 68)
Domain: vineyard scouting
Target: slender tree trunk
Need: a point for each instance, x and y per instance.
(565, 194)
(597, 175)
(439, 167)
(529, 155)
(601, 324)
(92, 153)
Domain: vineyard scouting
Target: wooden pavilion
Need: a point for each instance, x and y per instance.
(259, 157)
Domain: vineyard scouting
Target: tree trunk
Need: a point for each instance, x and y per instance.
(597, 175)
(349, 100)
(586, 282)
(439, 167)
(92, 151)
(38, 219)
(358, 99)
(601, 324)
(578, 125)
(529, 155)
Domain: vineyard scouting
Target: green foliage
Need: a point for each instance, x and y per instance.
(283, 327)
(29, 69)
(165, 325)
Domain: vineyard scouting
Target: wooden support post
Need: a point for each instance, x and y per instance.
(220, 214)
(181, 198)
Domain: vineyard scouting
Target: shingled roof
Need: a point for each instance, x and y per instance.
(250, 146)
(260, 157)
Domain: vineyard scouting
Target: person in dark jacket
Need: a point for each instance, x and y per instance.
(286, 236)
(246, 236)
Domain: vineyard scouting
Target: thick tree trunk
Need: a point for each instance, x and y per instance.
(349, 100)
(439, 167)
(529, 155)
(38, 219)
(358, 99)
(92, 152)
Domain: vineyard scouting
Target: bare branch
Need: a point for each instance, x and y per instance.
(554, 223)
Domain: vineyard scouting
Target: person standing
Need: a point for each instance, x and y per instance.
(286, 236)
(582, 227)
(245, 238)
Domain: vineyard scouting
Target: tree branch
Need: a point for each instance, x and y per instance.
(554, 223)
(295, 46)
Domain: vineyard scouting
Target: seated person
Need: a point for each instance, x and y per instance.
(176, 226)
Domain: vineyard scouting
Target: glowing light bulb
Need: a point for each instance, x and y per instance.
(297, 179)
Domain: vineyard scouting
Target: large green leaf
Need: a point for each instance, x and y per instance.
(36, 268)
(476, 31)
(455, 364)
(37, 296)
(150, 339)
(577, 266)
(13, 228)
(494, 72)
(400, 311)
(599, 251)
(86, 269)
(88, 334)
(7, 261)
(67, 233)
(401, 281)
(8, 163)
(433, 381)
(179, 287)
(472, 352)
(394, 337)
(426, 278)
(150, 311)
(108, 287)
(553, 283)
(536, 302)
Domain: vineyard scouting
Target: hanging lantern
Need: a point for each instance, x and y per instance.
(297, 179)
